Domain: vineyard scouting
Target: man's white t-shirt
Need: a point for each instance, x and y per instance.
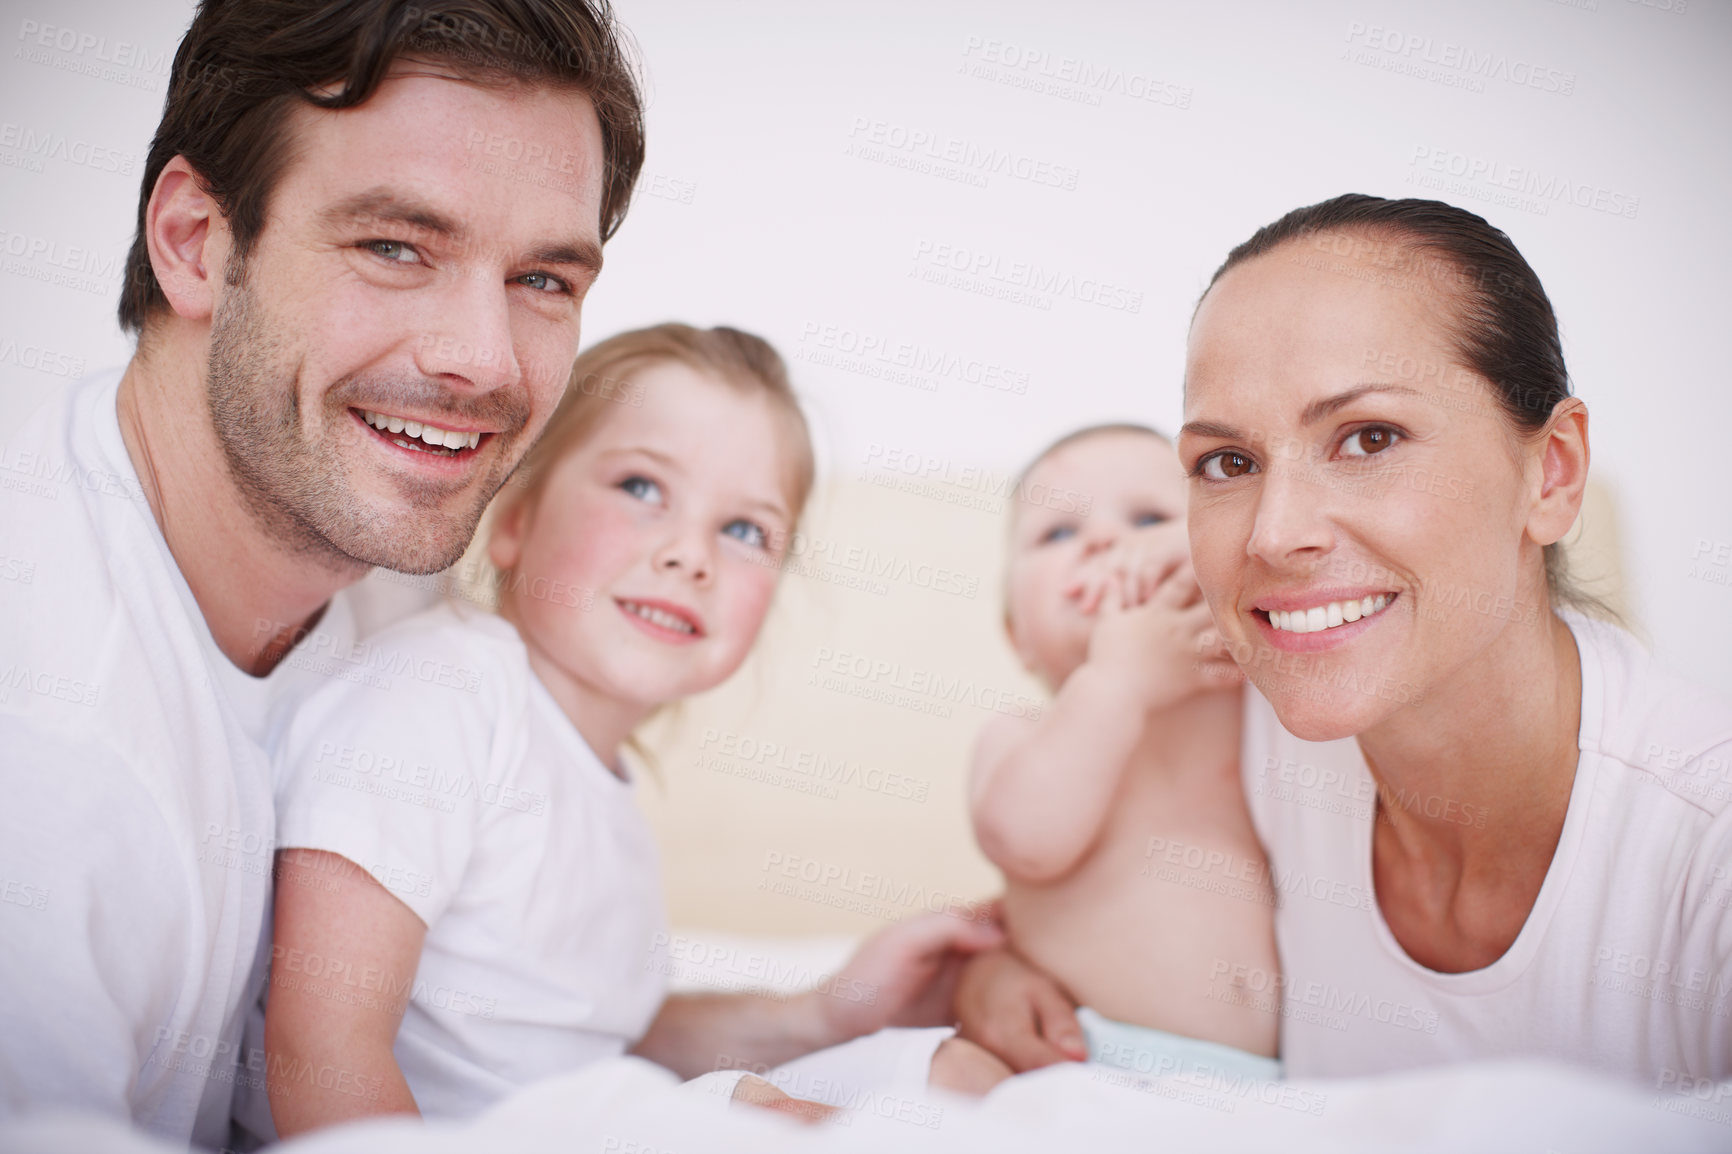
(136, 827)
(464, 790)
(1625, 962)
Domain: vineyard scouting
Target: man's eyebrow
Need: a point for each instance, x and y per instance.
(584, 253)
(382, 204)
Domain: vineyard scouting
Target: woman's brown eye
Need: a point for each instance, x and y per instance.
(1226, 465)
(1368, 441)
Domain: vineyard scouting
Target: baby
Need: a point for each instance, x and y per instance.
(1133, 876)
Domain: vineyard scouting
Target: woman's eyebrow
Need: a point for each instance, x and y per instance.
(1319, 409)
(1314, 412)
(1211, 429)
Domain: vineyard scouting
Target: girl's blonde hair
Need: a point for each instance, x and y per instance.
(603, 377)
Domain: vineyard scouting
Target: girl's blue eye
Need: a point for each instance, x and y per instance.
(1058, 533)
(748, 533)
(642, 488)
(1142, 520)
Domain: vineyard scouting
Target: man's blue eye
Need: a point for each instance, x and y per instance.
(394, 250)
(642, 488)
(747, 532)
(542, 282)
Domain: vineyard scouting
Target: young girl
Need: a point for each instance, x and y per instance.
(468, 895)
(1132, 872)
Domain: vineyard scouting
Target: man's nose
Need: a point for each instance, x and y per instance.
(471, 338)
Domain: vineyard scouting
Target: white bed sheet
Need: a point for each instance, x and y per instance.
(628, 1106)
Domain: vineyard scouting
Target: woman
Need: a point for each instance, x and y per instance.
(1497, 830)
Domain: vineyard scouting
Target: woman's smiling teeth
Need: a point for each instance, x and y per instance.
(429, 435)
(659, 617)
(1321, 617)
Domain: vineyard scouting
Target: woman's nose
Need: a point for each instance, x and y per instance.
(1291, 522)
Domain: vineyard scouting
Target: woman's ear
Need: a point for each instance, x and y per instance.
(188, 240)
(1559, 467)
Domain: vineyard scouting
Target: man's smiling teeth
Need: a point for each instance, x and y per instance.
(658, 617)
(1321, 617)
(416, 431)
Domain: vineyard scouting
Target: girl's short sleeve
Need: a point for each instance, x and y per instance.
(386, 765)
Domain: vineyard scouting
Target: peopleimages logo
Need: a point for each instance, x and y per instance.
(1018, 281)
(882, 140)
(1428, 58)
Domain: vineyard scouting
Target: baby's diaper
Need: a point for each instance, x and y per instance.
(1155, 1053)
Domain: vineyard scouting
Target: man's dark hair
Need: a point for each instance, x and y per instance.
(244, 64)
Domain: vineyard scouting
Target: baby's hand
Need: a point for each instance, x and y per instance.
(1138, 566)
(1166, 647)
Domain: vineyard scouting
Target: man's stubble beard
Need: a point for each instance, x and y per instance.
(299, 490)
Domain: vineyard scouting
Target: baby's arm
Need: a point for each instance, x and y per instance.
(1040, 790)
(368, 946)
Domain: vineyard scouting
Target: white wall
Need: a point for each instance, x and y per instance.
(1171, 131)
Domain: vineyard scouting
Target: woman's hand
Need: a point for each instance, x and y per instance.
(905, 974)
(1018, 1013)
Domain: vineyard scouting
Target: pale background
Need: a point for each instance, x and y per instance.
(760, 208)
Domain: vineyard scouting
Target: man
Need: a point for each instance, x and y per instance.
(365, 233)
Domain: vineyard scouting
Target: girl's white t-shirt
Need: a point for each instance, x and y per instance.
(1624, 963)
(465, 791)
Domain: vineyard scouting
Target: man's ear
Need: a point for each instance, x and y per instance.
(1559, 470)
(188, 239)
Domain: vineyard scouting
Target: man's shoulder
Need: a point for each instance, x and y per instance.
(80, 780)
(68, 447)
(62, 497)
